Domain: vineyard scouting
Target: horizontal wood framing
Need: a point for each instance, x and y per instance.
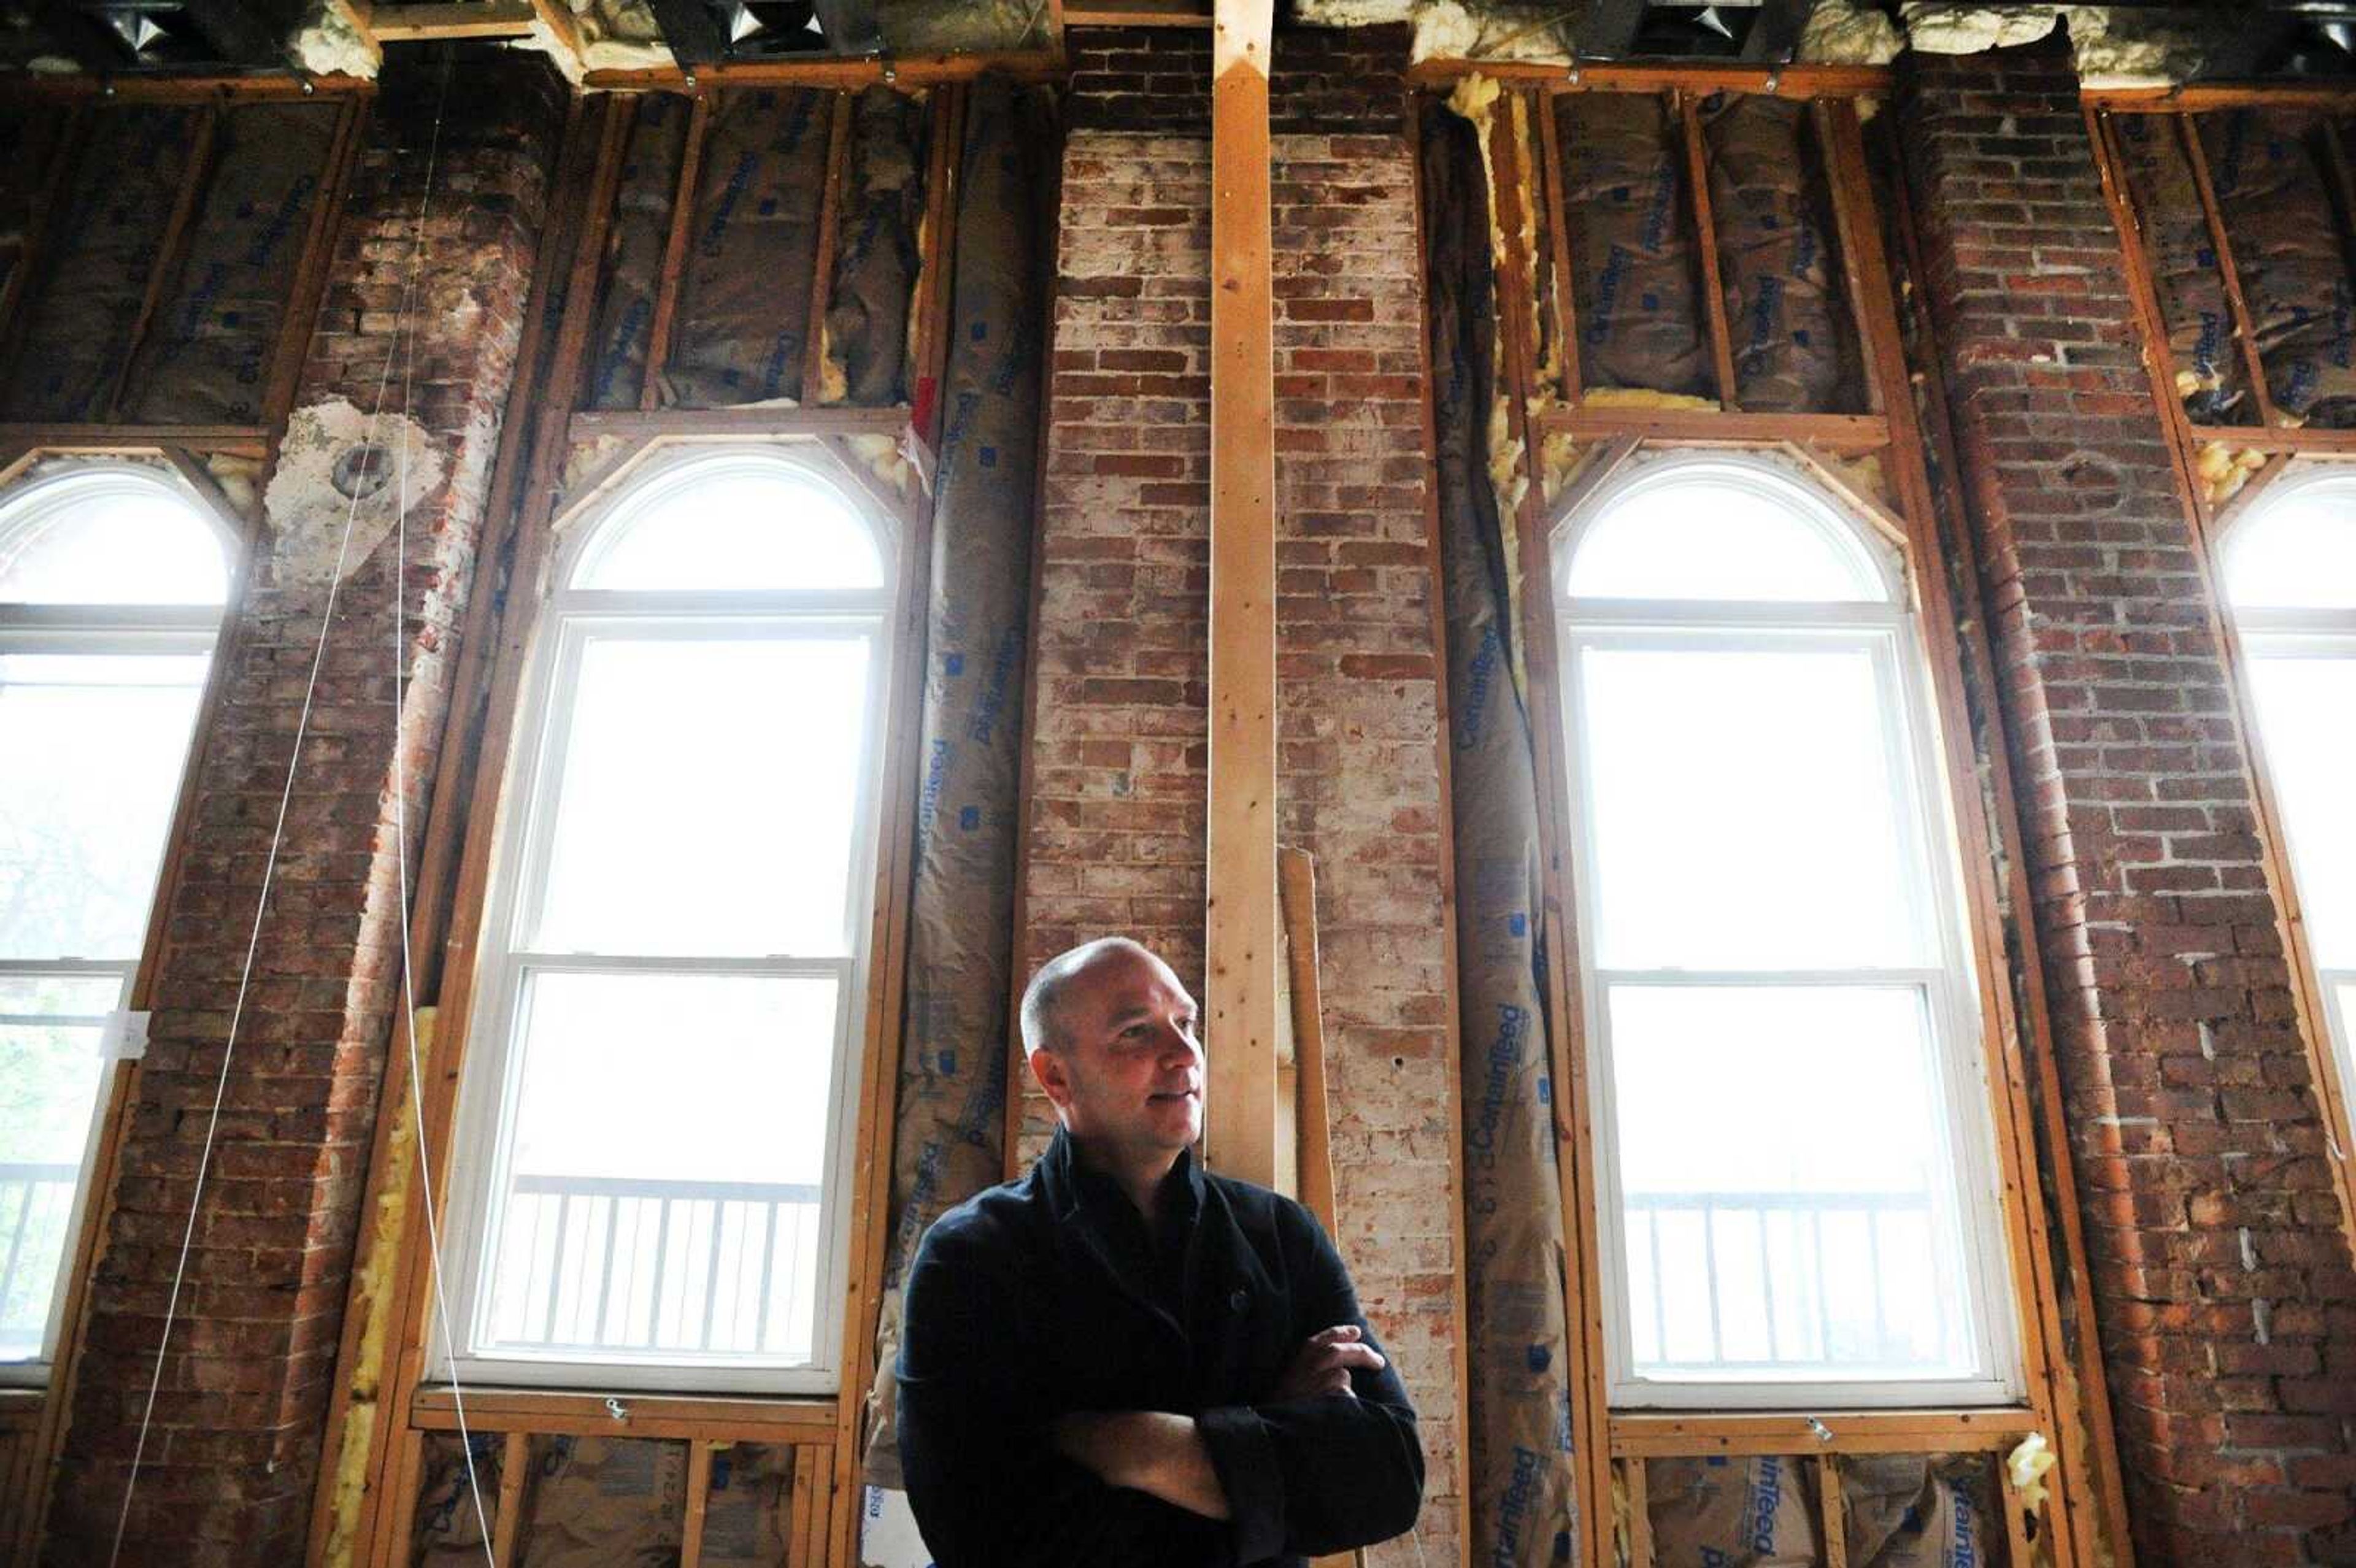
(712, 1419)
(1805, 81)
(2020, 1094)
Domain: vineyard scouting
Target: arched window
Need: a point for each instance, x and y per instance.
(1796, 1174)
(112, 581)
(664, 1050)
(2290, 580)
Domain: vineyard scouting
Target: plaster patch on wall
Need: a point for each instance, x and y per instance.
(327, 477)
(1944, 29)
(328, 45)
(1840, 32)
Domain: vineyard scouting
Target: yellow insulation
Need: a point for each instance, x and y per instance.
(2222, 470)
(380, 1261)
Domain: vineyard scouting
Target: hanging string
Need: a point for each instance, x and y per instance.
(404, 326)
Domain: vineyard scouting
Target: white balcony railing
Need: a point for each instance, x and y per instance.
(615, 1264)
(1780, 1282)
(36, 1206)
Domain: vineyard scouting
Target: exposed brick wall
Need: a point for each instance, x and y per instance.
(1159, 79)
(2223, 1289)
(229, 1464)
(1120, 751)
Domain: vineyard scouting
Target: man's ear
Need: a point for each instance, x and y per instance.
(1055, 1078)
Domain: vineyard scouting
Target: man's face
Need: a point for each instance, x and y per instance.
(1129, 1074)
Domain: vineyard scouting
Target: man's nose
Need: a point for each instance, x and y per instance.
(1178, 1046)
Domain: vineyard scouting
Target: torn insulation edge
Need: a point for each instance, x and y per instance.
(372, 1300)
(2025, 1469)
(2224, 470)
(1537, 35)
(1938, 28)
(328, 43)
(1841, 32)
(896, 461)
(239, 479)
(1645, 397)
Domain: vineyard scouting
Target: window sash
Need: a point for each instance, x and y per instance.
(521, 857)
(1959, 1085)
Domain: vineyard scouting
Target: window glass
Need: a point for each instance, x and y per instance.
(1778, 992)
(1707, 537)
(2299, 553)
(1745, 813)
(735, 530)
(95, 724)
(116, 541)
(2307, 717)
(669, 1032)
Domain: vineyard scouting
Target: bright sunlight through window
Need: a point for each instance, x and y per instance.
(670, 1001)
(1798, 1179)
(112, 588)
(2290, 579)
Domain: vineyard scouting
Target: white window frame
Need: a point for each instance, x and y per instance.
(28, 507)
(1889, 631)
(2271, 633)
(571, 619)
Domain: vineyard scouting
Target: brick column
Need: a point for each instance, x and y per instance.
(1119, 758)
(2223, 1285)
(229, 1461)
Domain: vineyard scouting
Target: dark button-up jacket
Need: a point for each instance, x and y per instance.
(1045, 1296)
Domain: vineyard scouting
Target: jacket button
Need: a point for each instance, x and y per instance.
(1239, 1299)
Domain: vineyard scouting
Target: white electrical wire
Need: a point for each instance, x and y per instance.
(404, 324)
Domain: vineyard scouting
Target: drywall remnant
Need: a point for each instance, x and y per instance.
(328, 44)
(1938, 28)
(338, 467)
(1842, 32)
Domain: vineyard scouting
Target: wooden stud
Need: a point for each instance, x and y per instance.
(803, 1521)
(1721, 340)
(2020, 1553)
(1566, 295)
(1852, 209)
(666, 1417)
(1660, 1436)
(644, 426)
(936, 282)
(682, 212)
(699, 1501)
(1635, 1477)
(1588, 76)
(463, 20)
(2253, 363)
(830, 204)
(906, 70)
(168, 253)
(1849, 435)
(1832, 1510)
(1297, 871)
(1452, 1036)
(1240, 939)
(409, 1465)
(515, 1465)
(2339, 97)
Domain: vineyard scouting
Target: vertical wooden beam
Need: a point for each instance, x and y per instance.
(682, 212)
(699, 1499)
(515, 1463)
(1296, 871)
(2252, 361)
(1558, 216)
(1240, 946)
(1832, 1511)
(1713, 288)
(829, 207)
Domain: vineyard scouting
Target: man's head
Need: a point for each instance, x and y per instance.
(1110, 1034)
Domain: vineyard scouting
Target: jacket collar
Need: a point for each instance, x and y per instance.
(1070, 1184)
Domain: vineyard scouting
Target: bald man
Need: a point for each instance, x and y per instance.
(1123, 1361)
